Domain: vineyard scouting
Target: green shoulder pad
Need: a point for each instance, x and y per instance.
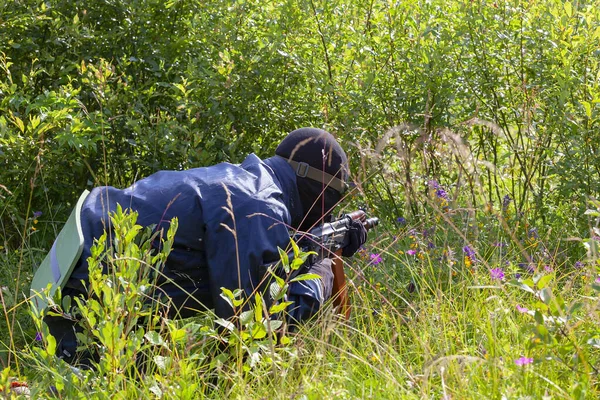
(59, 263)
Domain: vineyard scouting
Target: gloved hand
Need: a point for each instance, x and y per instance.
(323, 269)
(357, 236)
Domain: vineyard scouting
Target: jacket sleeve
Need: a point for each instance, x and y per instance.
(309, 296)
(238, 247)
(239, 242)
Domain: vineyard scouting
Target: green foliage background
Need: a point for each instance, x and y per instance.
(488, 98)
(104, 92)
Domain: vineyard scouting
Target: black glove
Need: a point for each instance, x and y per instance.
(357, 236)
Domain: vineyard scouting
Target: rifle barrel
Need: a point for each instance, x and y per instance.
(358, 214)
(370, 223)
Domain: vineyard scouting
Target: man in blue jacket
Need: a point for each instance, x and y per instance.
(296, 189)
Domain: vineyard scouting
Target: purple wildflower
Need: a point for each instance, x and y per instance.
(376, 258)
(597, 279)
(548, 268)
(505, 202)
(441, 193)
(38, 337)
(431, 245)
(401, 220)
(578, 264)
(517, 275)
(411, 252)
(434, 184)
(523, 361)
(497, 273)
(522, 309)
(37, 214)
(533, 233)
(469, 253)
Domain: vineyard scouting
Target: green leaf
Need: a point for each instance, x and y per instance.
(258, 331)
(231, 298)
(546, 295)
(541, 306)
(588, 108)
(258, 312)
(285, 340)
(297, 263)
(543, 333)
(170, 3)
(594, 342)
(51, 345)
(285, 260)
(178, 335)
(162, 362)
(295, 248)
(275, 324)
(305, 277)
(544, 280)
(529, 282)
(276, 291)
(539, 318)
(568, 9)
(225, 324)
(275, 308)
(155, 389)
(278, 281)
(34, 121)
(19, 123)
(154, 338)
(523, 285)
(246, 317)
(238, 302)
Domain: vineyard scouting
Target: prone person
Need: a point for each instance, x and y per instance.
(295, 190)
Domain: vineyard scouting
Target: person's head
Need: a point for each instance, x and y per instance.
(321, 168)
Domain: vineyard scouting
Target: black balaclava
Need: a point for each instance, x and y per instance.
(320, 150)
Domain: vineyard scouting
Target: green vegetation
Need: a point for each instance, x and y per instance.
(473, 129)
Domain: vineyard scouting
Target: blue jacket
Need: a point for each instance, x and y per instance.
(206, 255)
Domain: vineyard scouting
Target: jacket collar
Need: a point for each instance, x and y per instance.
(286, 179)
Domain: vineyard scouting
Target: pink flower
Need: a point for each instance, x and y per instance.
(376, 258)
(523, 361)
(597, 279)
(411, 252)
(522, 309)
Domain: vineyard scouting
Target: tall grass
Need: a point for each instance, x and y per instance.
(429, 320)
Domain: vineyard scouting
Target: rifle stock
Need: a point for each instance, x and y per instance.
(341, 300)
(340, 290)
(329, 240)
